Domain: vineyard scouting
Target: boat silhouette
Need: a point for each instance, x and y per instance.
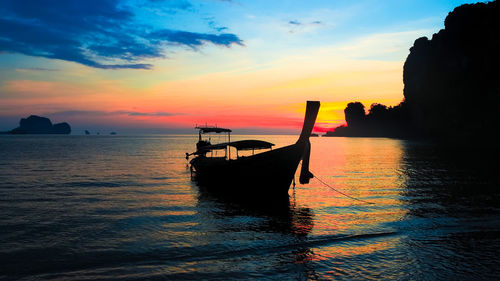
(268, 173)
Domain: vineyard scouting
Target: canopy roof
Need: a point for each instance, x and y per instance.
(239, 145)
(251, 144)
(208, 129)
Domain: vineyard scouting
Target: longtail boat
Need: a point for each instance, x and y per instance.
(269, 173)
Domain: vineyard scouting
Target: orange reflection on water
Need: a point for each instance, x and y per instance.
(341, 223)
(366, 169)
(354, 248)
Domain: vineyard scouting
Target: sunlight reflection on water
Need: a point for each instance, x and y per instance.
(117, 207)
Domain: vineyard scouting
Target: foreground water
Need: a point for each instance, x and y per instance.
(123, 207)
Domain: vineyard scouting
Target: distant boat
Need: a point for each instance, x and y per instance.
(112, 133)
(87, 132)
(264, 174)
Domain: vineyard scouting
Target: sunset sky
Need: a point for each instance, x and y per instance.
(139, 66)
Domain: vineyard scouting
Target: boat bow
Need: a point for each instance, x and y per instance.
(312, 110)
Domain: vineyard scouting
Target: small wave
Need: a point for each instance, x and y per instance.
(160, 178)
(43, 170)
(87, 184)
(100, 259)
(325, 240)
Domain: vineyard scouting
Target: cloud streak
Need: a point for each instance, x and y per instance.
(97, 33)
(111, 113)
(296, 25)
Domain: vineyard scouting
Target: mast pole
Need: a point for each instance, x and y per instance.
(228, 145)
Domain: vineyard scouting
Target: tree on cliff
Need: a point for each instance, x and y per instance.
(355, 114)
(378, 112)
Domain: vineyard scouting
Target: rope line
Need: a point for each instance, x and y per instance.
(346, 195)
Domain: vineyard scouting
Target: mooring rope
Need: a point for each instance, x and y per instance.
(346, 195)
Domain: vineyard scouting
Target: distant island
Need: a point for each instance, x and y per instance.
(40, 125)
(451, 88)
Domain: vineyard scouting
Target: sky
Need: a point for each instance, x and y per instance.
(164, 66)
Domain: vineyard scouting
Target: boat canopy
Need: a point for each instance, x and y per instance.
(239, 145)
(217, 130)
(251, 144)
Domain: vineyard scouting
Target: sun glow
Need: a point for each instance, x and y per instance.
(242, 73)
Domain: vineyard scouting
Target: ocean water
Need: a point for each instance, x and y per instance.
(124, 208)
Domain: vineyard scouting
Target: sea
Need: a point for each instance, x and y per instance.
(122, 207)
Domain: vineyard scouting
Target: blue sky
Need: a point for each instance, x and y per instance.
(115, 56)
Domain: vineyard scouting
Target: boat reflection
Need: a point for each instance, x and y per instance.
(279, 215)
(275, 233)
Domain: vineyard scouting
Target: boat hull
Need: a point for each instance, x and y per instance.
(265, 174)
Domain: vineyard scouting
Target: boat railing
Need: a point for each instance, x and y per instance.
(239, 146)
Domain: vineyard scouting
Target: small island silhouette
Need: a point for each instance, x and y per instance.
(451, 87)
(40, 125)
